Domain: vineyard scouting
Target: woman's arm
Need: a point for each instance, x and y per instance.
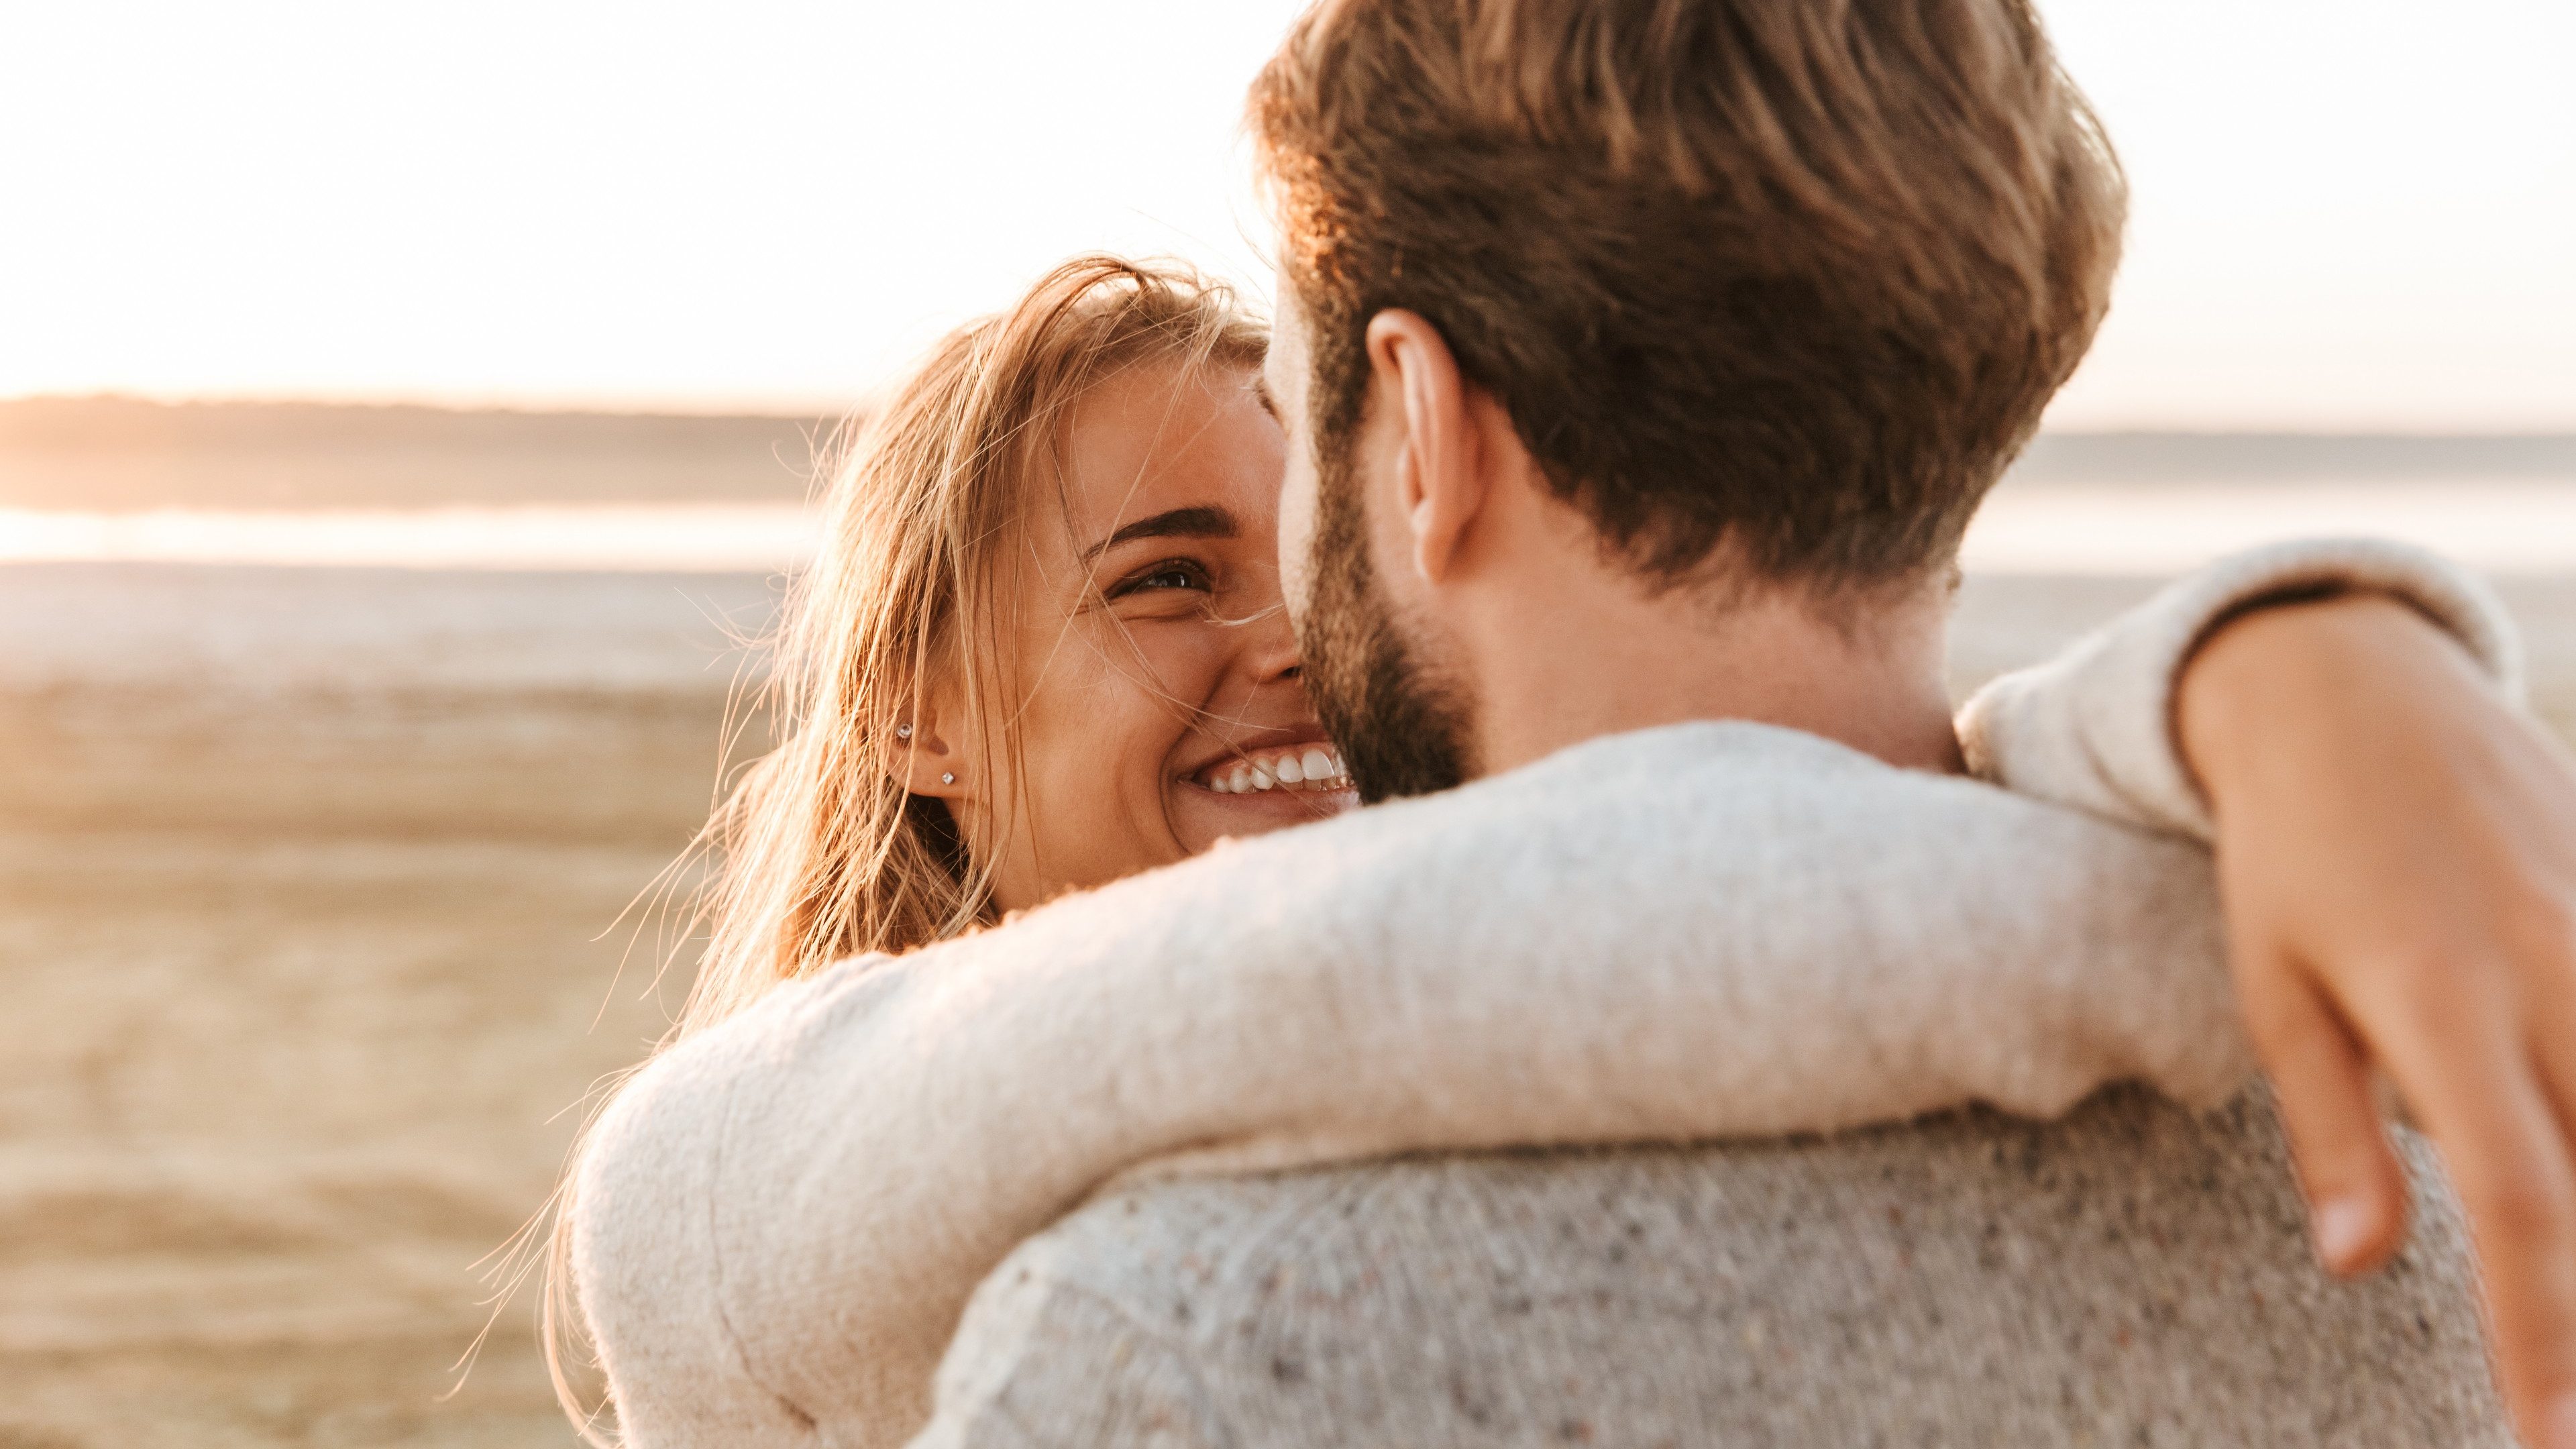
(2397, 854)
(2396, 843)
(1695, 932)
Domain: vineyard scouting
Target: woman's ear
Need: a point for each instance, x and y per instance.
(925, 763)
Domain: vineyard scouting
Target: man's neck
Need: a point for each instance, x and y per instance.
(1591, 653)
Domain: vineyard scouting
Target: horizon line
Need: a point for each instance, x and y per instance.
(813, 409)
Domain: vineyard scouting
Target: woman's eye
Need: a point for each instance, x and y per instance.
(1169, 574)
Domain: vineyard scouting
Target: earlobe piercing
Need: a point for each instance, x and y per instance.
(903, 732)
(946, 779)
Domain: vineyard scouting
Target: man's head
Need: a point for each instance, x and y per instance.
(1769, 292)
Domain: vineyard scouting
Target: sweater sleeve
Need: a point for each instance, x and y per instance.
(2092, 728)
(1707, 931)
(647, 1262)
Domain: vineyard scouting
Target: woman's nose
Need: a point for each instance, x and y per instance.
(1270, 649)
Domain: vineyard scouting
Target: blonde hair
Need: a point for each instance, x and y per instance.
(821, 852)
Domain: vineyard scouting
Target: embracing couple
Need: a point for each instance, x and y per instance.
(1701, 1035)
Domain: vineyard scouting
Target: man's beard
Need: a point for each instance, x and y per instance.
(1402, 729)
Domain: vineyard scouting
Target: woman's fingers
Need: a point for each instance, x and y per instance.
(2506, 1144)
(2554, 1048)
(2321, 1079)
(2394, 823)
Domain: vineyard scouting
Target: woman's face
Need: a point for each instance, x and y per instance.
(1161, 707)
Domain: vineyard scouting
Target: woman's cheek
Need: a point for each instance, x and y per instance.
(1182, 662)
(1132, 724)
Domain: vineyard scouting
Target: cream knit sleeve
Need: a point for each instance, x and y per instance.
(1706, 930)
(2092, 728)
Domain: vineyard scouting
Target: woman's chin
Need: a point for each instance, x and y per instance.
(1205, 816)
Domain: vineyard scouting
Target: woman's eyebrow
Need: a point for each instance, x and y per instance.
(1202, 521)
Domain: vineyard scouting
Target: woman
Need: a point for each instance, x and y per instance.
(1044, 648)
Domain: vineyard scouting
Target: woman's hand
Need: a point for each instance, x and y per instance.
(2397, 854)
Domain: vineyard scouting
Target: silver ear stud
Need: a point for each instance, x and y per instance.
(947, 779)
(903, 732)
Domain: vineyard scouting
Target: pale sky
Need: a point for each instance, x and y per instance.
(2349, 213)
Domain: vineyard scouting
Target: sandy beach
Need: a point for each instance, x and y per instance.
(312, 883)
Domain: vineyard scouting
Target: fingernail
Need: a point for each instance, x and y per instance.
(2344, 1227)
(2561, 1426)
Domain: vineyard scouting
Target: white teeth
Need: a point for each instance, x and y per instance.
(1312, 767)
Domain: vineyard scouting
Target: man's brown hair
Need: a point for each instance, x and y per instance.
(1794, 277)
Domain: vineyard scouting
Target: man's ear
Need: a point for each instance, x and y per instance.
(1442, 473)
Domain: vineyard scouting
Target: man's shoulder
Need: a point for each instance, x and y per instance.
(2134, 1265)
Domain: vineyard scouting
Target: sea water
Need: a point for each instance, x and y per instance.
(2500, 525)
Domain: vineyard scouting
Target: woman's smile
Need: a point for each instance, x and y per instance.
(1310, 768)
(1265, 784)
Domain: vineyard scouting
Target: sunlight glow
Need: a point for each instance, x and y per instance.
(2349, 213)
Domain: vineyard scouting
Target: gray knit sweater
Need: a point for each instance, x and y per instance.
(2131, 1275)
(1709, 931)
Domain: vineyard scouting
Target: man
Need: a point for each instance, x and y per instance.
(1644, 360)
(1651, 357)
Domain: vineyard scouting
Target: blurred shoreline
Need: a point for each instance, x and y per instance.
(2111, 529)
(125, 480)
(120, 454)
